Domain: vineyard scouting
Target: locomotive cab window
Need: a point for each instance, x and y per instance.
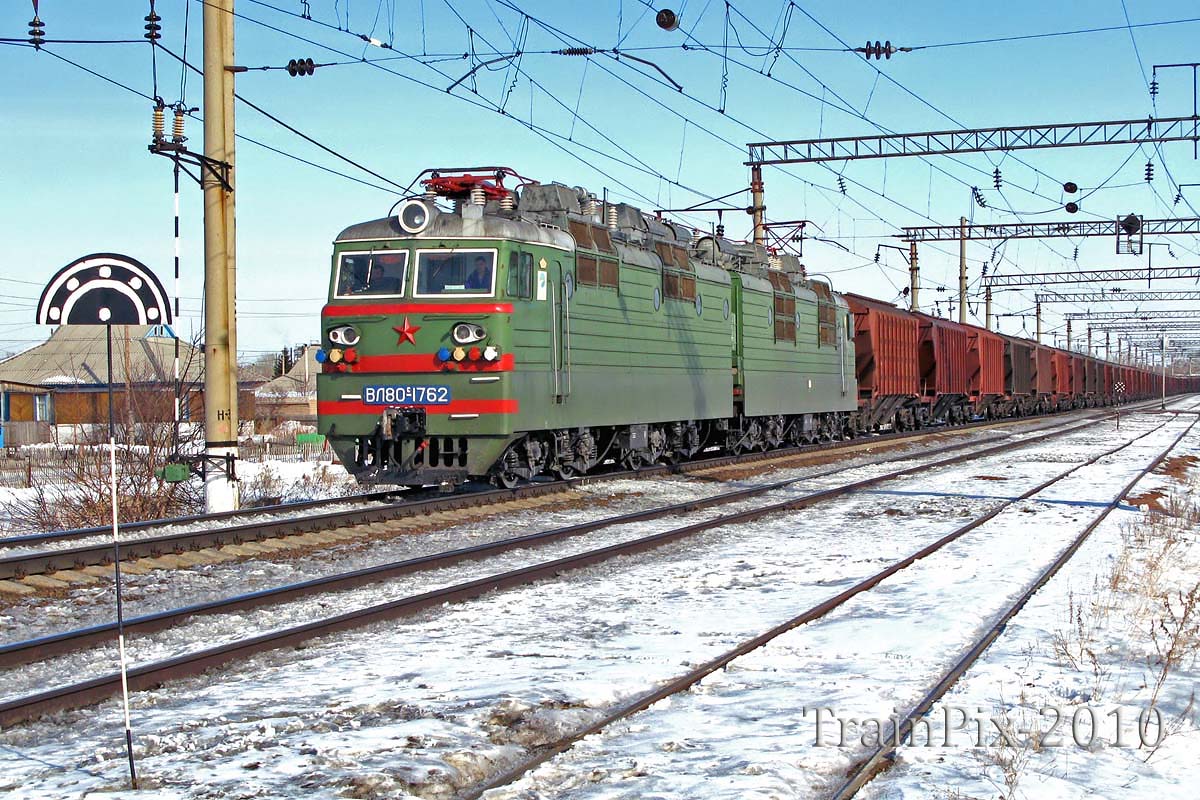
(376, 274)
(461, 273)
(520, 275)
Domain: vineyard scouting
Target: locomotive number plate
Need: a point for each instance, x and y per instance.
(407, 395)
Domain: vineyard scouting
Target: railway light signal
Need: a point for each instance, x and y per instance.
(1131, 224)
(301, 66)
(667, 19)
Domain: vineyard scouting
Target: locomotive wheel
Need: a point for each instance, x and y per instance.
(633, 460)
(566, 471)
(506, 480)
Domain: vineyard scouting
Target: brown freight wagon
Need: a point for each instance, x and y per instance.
(1020, 396)
(1078, 380)
(986, 365)
(1094, 376)
(885, 363)
(1061, 368)
(942, 358)
(1043, 376)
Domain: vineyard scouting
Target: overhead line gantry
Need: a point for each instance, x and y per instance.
(1114, 296)
(976, 140)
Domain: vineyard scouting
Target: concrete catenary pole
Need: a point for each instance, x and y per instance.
(220, 339)
(962, 270)
(914, 278)
(758, 209)
(987, 308)
(1038, 314)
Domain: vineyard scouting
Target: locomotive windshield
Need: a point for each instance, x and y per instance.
(372, 273)
(470, 273)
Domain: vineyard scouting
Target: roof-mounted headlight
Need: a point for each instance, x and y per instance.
(413, 216)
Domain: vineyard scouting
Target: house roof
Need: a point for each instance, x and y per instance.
(298, 382)
(75, 355)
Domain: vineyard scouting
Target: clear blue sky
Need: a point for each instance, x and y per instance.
(75, 176)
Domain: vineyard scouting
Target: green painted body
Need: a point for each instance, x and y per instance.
(584, 356)
(785, 377)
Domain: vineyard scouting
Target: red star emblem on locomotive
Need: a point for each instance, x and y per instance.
(407, 332)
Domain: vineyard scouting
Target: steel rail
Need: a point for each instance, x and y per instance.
(150, 675)
(192, 519)
(100, 554)
(865, 771)
(694, 676)
(25, 651)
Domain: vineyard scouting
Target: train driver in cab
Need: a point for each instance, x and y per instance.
(480, 278)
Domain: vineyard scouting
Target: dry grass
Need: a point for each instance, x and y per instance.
(80, 497)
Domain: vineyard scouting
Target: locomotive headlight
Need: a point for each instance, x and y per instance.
(467, 332)
(346, 335)
(413, 216)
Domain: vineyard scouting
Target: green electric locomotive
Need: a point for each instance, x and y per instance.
(540, 330)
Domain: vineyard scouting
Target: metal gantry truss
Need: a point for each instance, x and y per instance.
(977, 140)
(1113, 297)
(1137, 316)
(1091, 276)
(1048, 230)
(1191, 326)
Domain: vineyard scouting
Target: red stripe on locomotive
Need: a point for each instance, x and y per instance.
(503, 406)
(428, 362)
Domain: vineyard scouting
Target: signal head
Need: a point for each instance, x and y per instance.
(667, 19)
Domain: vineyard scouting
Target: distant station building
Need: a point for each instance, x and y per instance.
(26, 411)
(292, 396)
(65, 376)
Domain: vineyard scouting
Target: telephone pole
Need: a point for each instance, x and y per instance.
(220, 338)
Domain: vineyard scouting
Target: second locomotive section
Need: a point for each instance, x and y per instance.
(509, 339)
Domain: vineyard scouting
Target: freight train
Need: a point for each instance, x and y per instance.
(538, 330)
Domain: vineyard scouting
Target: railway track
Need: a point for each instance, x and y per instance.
(55, 569)
(149, 675)
(878, 759)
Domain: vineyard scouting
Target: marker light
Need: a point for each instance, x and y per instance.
(491, 353)
(321, 356)
(474, 354)
(443, 354)
(459, 354)
(351, 355)
(335, 355)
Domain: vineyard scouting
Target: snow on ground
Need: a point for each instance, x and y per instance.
(750, 731)
(1109, 647)
(429, 704)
